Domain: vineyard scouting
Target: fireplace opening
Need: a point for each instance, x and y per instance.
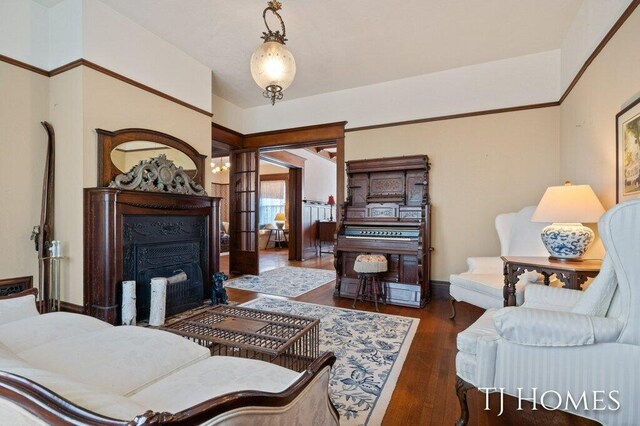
(165, 246)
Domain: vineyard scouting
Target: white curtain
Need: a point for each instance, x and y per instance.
(273, 200)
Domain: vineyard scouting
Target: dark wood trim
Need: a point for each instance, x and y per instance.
(71, 307)
(283, 158)
(229, 137)
(24, 65)
(275, 176)
(295, 199)
(66, 67)
(297, 136)
(607, 38)
(104, 212)
(108, 141)
(455, 116)
(27, 292)
(142, 149)
(54, 409)
(26, 281)
(103, 70)
(440, 289)
(616, 26)
(340, 177)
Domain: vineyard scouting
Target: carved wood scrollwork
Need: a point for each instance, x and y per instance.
(108, 141)
(511, 275)
(157, 174)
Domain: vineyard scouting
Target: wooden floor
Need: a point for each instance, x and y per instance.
(425, 393)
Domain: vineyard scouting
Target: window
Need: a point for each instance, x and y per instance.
(273, 200)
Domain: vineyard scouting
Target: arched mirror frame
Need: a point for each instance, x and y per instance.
(108, 141)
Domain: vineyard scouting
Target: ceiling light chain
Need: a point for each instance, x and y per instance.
(272, 65)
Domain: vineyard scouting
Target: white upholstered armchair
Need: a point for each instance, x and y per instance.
(562, 344)
(482, 284)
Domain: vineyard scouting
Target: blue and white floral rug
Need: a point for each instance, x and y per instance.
(288, 281)
(370, 349)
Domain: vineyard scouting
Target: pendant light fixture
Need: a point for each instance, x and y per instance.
(273, 67)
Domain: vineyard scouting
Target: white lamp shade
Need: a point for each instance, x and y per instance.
(272, 64)
(569, 204)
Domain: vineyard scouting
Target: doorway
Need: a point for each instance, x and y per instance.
(321, 143)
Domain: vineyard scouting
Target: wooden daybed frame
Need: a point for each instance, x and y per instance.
(54, 409)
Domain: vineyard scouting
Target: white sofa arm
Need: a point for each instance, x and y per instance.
(537, 327)
(550, 298)
(485, 265)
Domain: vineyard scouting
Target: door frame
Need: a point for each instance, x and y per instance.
(293, 138)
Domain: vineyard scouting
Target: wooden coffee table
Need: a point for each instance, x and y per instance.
(290, 341)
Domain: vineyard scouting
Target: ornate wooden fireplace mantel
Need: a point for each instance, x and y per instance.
(105, 210)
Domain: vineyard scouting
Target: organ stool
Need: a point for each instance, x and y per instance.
(369, 268)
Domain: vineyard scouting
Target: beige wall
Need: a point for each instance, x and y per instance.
(588, 133)
(65, 113)
(83, 100)
(24, 103)
(481, 166)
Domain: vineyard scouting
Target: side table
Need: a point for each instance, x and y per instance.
(571, 274)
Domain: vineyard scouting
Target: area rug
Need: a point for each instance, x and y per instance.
(370, 349)
(288, 281)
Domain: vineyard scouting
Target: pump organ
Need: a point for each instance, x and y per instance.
(387, 212)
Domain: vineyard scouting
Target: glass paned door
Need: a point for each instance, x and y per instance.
(243, 192)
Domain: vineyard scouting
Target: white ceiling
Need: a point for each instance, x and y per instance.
(342, 44)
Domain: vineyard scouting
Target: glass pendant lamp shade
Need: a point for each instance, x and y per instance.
(273, 67)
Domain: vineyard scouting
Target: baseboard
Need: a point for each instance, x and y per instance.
(71, 307)
(440, 289)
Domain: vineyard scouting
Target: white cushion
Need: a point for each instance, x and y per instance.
(597, 298)
(370, 263)
(217, 375)
(120, 360)
(8, 359)
(468, 339)
(86, 396)
(41, 329)
(488, 284)
(17, 308)
(538, 327)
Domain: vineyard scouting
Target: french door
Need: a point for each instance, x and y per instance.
(244, 184)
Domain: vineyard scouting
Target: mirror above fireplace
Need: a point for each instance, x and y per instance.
(120, 150)
(125, 156)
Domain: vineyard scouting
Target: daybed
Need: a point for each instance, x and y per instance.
(64, 368)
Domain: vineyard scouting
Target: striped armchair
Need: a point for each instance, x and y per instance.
(561, 344)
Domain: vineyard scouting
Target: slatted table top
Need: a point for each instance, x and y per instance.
(262, 331)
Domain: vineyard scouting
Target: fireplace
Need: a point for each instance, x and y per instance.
(135, 235)
(165, 246)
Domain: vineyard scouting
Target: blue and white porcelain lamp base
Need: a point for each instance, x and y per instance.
(567, 241)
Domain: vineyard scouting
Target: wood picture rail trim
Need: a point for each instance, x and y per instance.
(614, 29)
(103, 70)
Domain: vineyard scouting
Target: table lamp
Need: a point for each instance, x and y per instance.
(332, 202)
(280, 220)
(567, 207)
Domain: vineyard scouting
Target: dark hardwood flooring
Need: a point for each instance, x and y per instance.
(425, 392)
